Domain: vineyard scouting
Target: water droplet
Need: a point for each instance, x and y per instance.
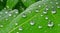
(50, 24)
(6, 19)
(7, 6)
(20, 29)
(47, 9)
(45, 12)
(37, 11)
(58, 6)
(56, 2)
(46, 17)
(17, 32)
(58, 24)
(16, 11)
(39, 6)
(1, 25)
(24, 15)
(10, 14)
(6, 12)
(39, 27)
(1, 0)
(53, 12)
(16, 23)
(32, 23)
(41, 15)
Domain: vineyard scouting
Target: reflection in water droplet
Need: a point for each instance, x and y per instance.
(32, 23)
(50, 24)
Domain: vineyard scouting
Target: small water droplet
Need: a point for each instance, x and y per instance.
(44, 12)
(58, 6)
(53, 12)
(7, 6)
(32, 23)
(58, 24)
(17, 32)
(20, 29)
(56, 2)
(24, 15)
(39, 27)
(10, 14)
(6, 19)
(47, 9)
(50, 24)
(6, 12)
(37, 11)
(16, 23)
(46, 17)
(41, 15)
(16, 11)
(1, 25)
(39, 6)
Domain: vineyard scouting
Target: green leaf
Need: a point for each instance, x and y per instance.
(40, 17)
(11, 3)
(28, 3)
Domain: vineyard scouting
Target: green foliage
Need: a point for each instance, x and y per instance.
(35, 17)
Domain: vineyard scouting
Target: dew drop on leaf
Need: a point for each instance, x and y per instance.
(24, 15)
(46, 17)
(39, 27)
(44, 12)
(17, 32)
(10, 14)
(1, 25)
(37, 11)
(32, 23)
(50, 24)
(20, 28)
(6, 12)
(53, 12)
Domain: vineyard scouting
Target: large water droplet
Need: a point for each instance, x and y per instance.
(50, 24)
(32, 23)
(53, 12)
